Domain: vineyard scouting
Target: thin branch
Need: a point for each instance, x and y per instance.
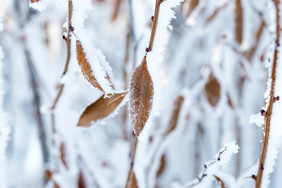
(155, 23)
(68, 40)
(206, 166)
(271, 100)
(133, 153)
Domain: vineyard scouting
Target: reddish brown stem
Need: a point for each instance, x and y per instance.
(267, 122)
(155, 23)
(68, 40)
(131, 173)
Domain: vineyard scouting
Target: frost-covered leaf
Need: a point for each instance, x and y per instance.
(101, 108)
(141, 96)
(212, 90)
(86, 68)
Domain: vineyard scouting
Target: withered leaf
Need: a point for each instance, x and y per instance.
(220, 182)
(132, 182)
(175, 114)
(81, 181)
(87, 70)
(141, 95)
(190, 7)
(212, 90)
(238, 21)
(33, 1)
(100, 109)
(162, 166)
(63, 155)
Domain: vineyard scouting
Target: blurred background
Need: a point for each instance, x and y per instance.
(213, 78)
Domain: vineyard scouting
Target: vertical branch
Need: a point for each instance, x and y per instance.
(267, 121)
(155, 23)
(68, 41)
(131, 173)
(36, 106)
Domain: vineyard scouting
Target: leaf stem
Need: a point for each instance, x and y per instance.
(271, 100)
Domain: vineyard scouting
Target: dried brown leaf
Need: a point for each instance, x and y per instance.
(132, 183)
(116, 10)
(238, 21)
(162, 166)
(100, 109)
(175, 114)
(63, 155)
(220, 182)
(189, 6)
(33, 1)
(141, 96)
(215, 13)
(229, 101)
(81, 181)
(87, 70)
(212, 90)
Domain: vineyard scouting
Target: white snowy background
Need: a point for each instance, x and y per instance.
(198, 42)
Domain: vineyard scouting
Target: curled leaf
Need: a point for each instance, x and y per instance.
(100, 109)
(212, 90)
(86, 68)
(141, 95)
(33, 1)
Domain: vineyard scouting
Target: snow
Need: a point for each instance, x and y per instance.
(4, 129)
(219, 161)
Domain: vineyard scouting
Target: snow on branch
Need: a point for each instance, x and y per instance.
(211, 168)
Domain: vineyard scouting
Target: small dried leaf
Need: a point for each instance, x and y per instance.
(56, 185)
(162, 166)
(48, 174)
(87, 70)
(141, 96)
(238, 21)
(175, 114)
(63, 155)
(132, 183)
(116, 9)
(220, 182)
(215, 13)
(212, 90)
(100, 109)
(81, 181)
(189, 6)
(229, 101)
(33, 1)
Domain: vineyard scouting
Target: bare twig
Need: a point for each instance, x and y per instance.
(206, 166)
(155, 23)
(133, 152)
(37, 113)
(68, 40)
(271, 100)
